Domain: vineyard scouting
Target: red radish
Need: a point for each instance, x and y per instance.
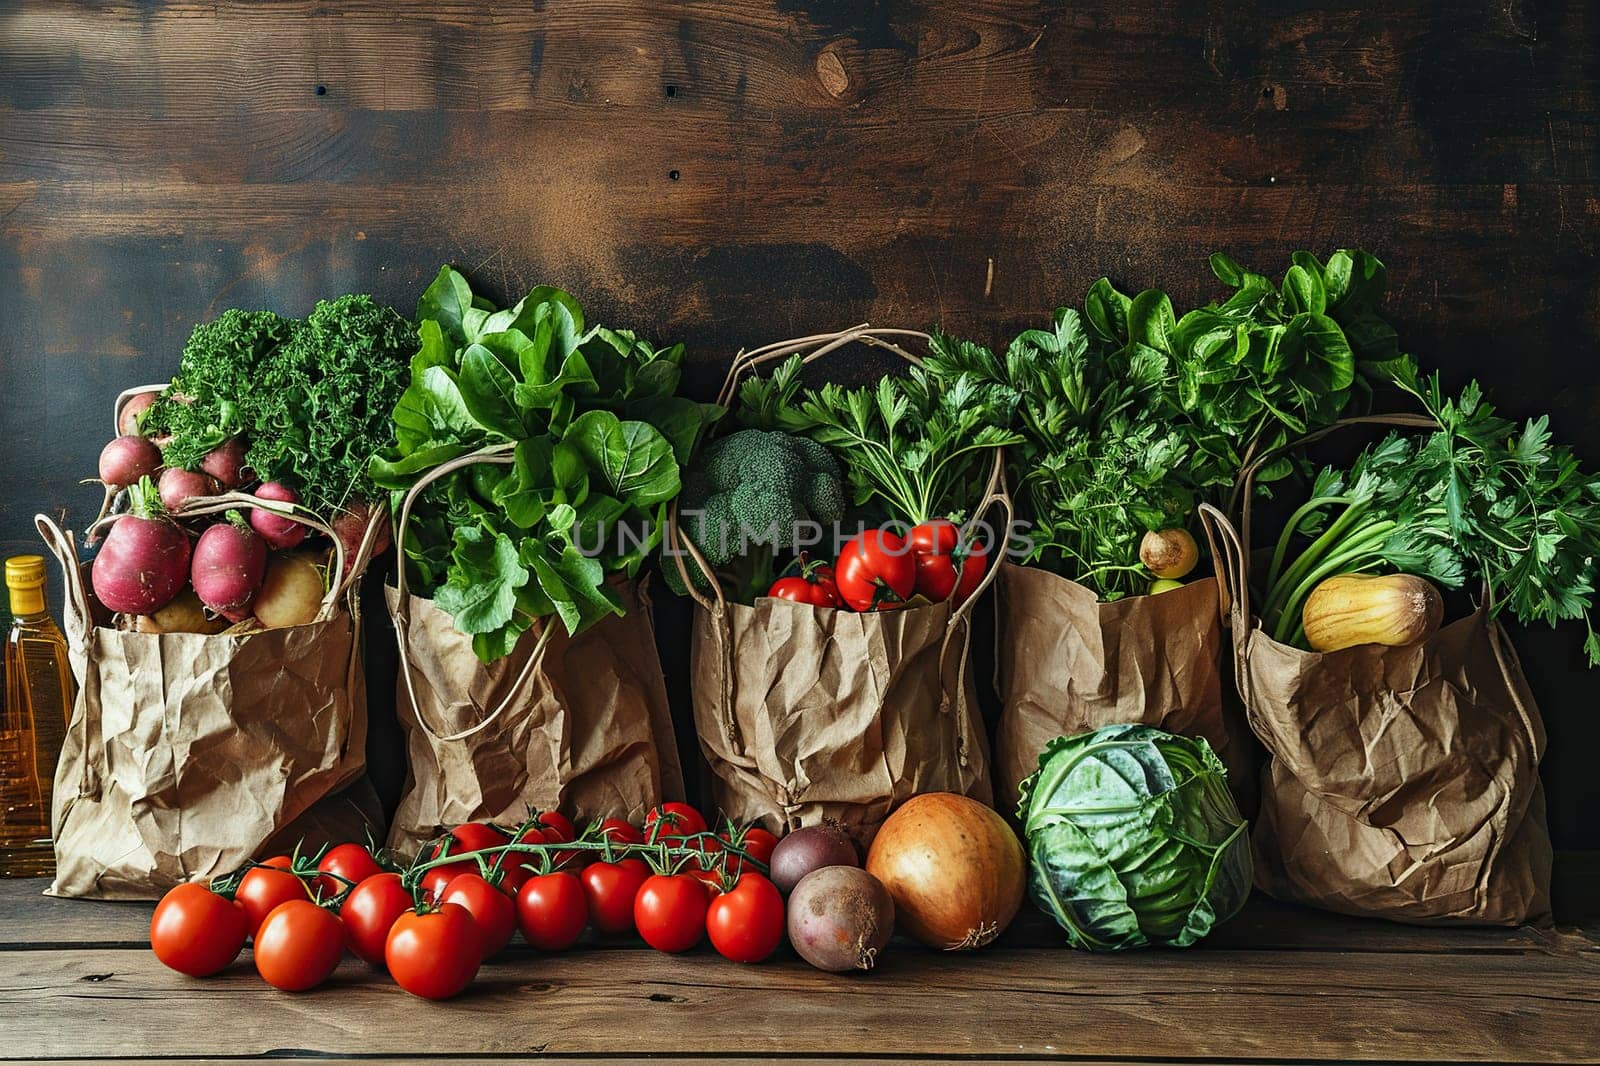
(225, 462)
(144, 562)
(127, 459)
(178, 487)
(351, 526)
(229, 563)
(276, 530)
(128, 417)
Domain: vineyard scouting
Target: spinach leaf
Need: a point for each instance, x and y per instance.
(488, 390)
(600, 437)
(633, 459)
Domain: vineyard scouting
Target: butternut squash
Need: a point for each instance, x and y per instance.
(1169, 554)
(1389, 609)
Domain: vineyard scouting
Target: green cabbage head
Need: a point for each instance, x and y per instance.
(1134, 839)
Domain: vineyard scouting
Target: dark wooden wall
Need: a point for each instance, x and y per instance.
(729, 173)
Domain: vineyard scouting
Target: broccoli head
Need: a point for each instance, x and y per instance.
(743, 498)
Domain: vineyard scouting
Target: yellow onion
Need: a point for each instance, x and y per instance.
(953, 867)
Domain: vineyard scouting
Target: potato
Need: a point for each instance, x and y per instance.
(291, 594)
(185, 614)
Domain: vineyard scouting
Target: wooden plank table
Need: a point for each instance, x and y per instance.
(1279, 983)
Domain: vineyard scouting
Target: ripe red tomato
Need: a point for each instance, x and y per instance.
(757, 843)
(264, 887)
(933, 545)
(817, 588)
(476, 836)
(609, 888)
(746, 924)
(352, 862)
(619, 831)
(552, 911)
(706, 862)
(197, 932)
(298, 945)
(711, 879)
(560, 824)
(558, 829)
(437, 879)
(492, 910)
(670, 911)
(370, 911)
(946, 568)
(876, 571)
(678, 820)
(434, 954)
(515, 870)
(280, 862)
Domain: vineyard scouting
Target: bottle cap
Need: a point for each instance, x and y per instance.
(25, 572)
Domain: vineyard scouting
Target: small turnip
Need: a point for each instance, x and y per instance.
(145, 559)
(291, 594)
(278, 531)
(351, 525)
(811, 848)
(839, 918)
(229, 562)
(127, 459)
(137, 405)
(225, 462)
(178, 487)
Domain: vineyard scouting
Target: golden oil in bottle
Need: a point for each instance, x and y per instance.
(33, 722)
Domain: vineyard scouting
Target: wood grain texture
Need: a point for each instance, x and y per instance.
(1278, 983)
(1248, 1005)
(734, 172)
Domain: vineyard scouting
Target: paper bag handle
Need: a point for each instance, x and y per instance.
(116, 430)
(810, 349)
(1230, 546)
(1244, 487)
(995, 494)
(814, 347)
(127, 394)
(400, 613)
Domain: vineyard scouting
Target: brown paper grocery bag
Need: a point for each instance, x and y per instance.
(186, 752)
(1067, 663)
(1403, 782)
(806, 713)
(580, 724)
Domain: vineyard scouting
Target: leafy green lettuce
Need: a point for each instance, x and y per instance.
(586, 437)
(1133, 839)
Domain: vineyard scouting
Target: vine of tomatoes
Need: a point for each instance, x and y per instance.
(432, 923)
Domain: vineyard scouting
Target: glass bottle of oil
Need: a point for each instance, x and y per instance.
(33, 722)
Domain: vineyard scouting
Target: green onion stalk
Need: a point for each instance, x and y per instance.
(1356, 541)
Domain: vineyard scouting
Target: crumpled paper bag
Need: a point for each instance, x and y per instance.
(806, 713)
(1404, 782)
(187, 753)
(1067, 663)
(589, 733)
